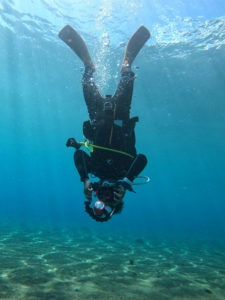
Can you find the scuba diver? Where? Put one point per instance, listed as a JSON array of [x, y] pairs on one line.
[[109, 134]]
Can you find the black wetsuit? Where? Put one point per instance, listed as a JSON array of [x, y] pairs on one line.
[[110, 126]]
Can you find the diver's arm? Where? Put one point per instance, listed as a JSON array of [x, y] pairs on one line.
[[82, 162], [88, 189], [135, 169]]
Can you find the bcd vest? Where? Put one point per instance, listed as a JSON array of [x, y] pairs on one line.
[[110, 133]]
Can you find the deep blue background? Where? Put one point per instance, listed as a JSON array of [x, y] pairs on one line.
[[179, 97]]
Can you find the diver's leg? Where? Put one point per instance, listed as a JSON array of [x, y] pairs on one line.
[[134, 45], [72, 38], [91, 94], [93, 98], [123, 95]]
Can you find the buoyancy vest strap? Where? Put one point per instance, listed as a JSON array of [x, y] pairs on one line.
[[90, 148], [111, 133]]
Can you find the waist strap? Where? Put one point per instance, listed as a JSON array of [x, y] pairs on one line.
[[90, 148]]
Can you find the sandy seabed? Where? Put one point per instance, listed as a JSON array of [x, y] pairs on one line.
[[55, 263]]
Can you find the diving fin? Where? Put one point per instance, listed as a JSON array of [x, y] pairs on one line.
[[135, 43], [72, 38]]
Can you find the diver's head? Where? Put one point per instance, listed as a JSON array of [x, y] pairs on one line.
[[109, 201], [105, 193], [99, 211]]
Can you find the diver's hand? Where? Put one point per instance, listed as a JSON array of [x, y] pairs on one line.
[[88, 190], [119, 193], [71, 143]]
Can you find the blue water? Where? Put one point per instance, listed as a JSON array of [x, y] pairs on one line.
[[179, 97]]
